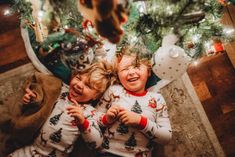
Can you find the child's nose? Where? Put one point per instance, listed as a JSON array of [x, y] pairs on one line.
[[131, 71], [80, 85]]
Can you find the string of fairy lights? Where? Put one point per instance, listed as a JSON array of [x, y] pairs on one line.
[[195, 23]]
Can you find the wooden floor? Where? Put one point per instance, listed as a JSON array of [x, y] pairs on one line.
[[12, 50], [213, 79]]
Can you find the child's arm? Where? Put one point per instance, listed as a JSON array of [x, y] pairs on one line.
[[88, 126], [160, 129], [106, 112]]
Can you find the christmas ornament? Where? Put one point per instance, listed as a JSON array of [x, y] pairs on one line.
[[227, 2], [78, 55], [170, 61], [218, 46]]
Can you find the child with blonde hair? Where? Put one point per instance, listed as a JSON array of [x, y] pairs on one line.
[[134, 118], [72, 114]]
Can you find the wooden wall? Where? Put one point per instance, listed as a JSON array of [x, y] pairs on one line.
[[229, 20], [214, 82], [12, 50]]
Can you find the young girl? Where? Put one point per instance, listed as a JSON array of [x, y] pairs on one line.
[[72, 115], [134, 118]]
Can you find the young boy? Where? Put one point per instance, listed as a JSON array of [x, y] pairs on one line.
[[71, 116], [134, 118]]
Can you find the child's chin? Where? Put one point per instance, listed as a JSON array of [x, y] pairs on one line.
[[72, 97]]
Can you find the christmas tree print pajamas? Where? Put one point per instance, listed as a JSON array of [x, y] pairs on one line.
[[60, 131], [128, 141]]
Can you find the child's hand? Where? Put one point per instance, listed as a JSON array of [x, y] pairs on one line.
[[112, 114], [29, 95], [129, 118], [76, 112]]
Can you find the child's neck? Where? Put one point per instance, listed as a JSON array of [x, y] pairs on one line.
[[81, 103], [141, 93]]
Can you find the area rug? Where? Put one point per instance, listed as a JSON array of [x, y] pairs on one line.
[[11, 92]]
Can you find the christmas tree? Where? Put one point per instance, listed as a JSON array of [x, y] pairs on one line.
[[57, 28], [56, 136], [54, 120], [196, 23], [105, 143], [136, 108], [131, 142], [122, 128]]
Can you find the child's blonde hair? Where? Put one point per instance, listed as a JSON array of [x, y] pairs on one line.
[[143, 56], [100, 76]]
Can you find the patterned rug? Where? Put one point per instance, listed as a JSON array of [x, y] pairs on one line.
[[11, 83], [11, 92]]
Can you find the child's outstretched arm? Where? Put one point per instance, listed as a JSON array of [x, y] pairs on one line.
[[28, 96], [87, 125]]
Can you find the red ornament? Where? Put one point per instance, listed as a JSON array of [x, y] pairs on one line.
[[218, 47], [223, 2]]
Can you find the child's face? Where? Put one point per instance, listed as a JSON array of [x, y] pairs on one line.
[[132, 77], [80, 90]]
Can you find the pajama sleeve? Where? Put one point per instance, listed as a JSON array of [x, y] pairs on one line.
[[90, 131], [103, 106], [159, 130]]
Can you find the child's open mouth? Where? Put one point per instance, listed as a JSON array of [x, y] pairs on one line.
[[133, 79], [76, 92]]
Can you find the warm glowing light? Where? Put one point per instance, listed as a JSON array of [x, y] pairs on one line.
[[228, 31], [40, 15], [195, 38], [195, 63], [169, 10], [133, 39], [7, 12], [141, 7], [207, 44]]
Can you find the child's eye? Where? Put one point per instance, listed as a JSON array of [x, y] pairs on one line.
[[78, 77], [88, 85], [124, 69], [137, 66]]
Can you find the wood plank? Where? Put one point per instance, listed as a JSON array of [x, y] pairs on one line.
[[12, 49], [229, 20]]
